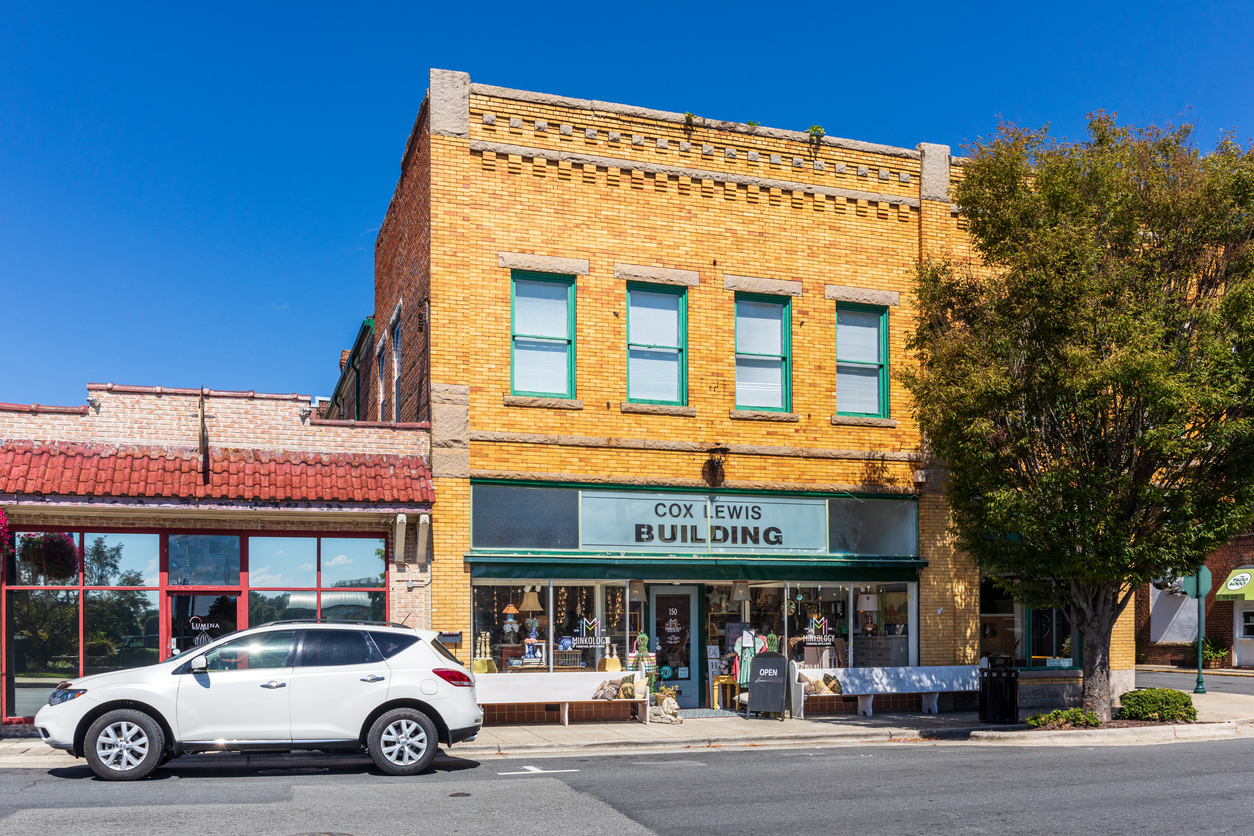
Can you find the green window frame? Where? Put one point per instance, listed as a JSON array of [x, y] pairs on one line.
[[680, 347], [860, 365], [785, 358], [537, 340]]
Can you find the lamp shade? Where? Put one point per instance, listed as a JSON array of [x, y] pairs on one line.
[[636, 592], [510, 609], [740, 591], [531, 602]]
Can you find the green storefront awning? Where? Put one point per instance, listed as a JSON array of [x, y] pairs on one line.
[[518, 565], [1238, 586]]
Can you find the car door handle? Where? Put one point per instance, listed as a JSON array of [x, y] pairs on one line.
[[374, 677], [274, 684]]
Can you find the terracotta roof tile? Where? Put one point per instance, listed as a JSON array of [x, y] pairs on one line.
[[80, 469]]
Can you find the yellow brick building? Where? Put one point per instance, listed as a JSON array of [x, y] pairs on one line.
[[609, 314]]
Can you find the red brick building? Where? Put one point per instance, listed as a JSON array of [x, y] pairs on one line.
[[151, 519]]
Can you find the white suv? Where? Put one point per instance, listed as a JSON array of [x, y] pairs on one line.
[[288, 685]]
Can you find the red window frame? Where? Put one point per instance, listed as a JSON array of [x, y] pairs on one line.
[[165, 590]]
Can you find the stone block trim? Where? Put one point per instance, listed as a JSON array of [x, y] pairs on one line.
[[754, 415], [450, 430], [658, 275], [754, 284], [862, 295], [935, 159], [449, 94], [542, 403], [543, 263], [658, 409], [859, 421]]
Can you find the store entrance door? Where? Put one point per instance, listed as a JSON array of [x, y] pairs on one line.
[[1243, 632], [674, 611], [200, 618]]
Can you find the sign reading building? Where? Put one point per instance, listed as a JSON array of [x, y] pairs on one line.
[[686, 523]]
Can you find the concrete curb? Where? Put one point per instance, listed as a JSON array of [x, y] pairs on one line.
[[1136, 734]]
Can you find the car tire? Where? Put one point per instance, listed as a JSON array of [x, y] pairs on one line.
[[124, 745], [403, 741]]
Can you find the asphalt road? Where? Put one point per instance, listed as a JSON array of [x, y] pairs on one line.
[[1185, 681], [901, 788]]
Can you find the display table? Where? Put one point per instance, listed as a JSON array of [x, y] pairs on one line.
[[717, 684]]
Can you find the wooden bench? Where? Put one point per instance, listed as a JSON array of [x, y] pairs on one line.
[[867, 683], [528, 688]]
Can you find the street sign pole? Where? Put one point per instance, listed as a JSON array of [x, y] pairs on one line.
[[1196, 586]]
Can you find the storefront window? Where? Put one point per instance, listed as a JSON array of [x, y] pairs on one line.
[[344, 605], [121, 629], [882, 615], [121, 559], [818, 624], [766, 613], [281, 562], [576, 628], [357, 562], [204, 560], [270, 605], [45, 559], [1043, 638], [513, 517], [41, 633], [873, 526]]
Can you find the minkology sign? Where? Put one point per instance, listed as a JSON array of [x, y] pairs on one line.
[[682, 523]]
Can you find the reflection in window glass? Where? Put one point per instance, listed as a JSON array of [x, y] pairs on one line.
[[121, 559], [264, 607], [121, 630], [873, 526], [262, 651], [42, 646], [327, 648], [1054, 643], [283, 561], [204, 560], [352, 562], [196, 620], [1001, 624], [45, 559], [343, 605]]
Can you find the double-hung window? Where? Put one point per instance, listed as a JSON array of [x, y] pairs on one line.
[[396, 372], [543, 335], [656, 335], [762, 353], [862, 361]]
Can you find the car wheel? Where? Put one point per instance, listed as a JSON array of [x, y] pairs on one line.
[[403, 742], [124, 745]]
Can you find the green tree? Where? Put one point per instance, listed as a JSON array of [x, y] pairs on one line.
[[1089, 385]]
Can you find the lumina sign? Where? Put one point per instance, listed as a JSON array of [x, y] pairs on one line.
[[683, 523]]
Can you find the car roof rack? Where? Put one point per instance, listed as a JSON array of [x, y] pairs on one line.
[[335, 621]]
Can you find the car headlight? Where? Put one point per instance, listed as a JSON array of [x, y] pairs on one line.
[[65, 695]]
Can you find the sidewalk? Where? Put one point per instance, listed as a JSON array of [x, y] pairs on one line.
[[1205, 671], [1220, 715]]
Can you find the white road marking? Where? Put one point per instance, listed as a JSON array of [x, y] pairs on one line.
[[535, 770]]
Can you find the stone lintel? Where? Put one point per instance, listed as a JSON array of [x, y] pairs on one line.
[[754, 284], [658, 275], [860, 421], [658, 409], [862, 295], [765, 415], [543, 263]]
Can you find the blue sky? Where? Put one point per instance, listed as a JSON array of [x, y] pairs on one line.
[[190, 193]]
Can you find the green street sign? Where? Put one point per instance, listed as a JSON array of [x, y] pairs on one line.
[[1198, 585]]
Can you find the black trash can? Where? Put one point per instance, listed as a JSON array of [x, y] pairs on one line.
[[999, 691]]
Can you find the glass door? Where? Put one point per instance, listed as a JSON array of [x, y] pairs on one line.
[[674, 638], [198, 618]]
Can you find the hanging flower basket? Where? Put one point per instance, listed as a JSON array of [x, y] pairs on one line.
[[54, 556]]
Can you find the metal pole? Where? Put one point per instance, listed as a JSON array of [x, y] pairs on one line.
[[1201, 614]]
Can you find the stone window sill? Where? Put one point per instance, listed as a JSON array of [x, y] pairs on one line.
[[754, 415], [658, 409], [542, 403], [858, 421]]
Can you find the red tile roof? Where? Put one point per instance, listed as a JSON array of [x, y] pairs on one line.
[[84, 469]]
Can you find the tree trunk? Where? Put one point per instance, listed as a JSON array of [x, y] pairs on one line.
[[1094, 612]]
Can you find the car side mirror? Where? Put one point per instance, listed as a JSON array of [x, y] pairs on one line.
[[198, 665]]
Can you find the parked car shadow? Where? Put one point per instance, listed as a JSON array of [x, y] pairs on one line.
[[262, 766]]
